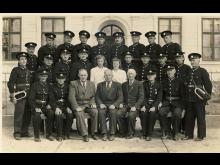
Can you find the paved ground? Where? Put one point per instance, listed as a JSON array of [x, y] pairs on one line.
[[211, 144]]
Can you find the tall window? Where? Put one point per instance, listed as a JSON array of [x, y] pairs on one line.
[[55, 25], [11, 39], [211, 39], [172, 24]]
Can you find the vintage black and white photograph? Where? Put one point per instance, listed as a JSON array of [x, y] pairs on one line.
[[110, 82]]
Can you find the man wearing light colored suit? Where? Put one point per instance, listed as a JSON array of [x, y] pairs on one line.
[[82, 100]]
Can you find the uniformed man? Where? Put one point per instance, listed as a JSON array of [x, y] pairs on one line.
[[32, 61], [47, 65], [68, 37], [100, 48], [145, 67], [170, 48], [118, 49], [83, 37], [20, 79], [152, 98], [199, 77], [49, 48], [64, 64], [83, 63], [61, 106], [40, 107], [161, 71], [128, 62], [133, 95], [137, 49], [172, 104], [153, 48]]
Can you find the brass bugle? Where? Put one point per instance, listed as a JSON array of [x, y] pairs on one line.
[[200, 93], [20, 95]]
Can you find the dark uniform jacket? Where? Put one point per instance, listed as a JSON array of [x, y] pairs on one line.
[[183, 71], [143, 69], [171, 49], [68, 46], [77, 66], [45, 50], [173, 92], [32, 65], [154, 50], [117, 51], [19, 80], [137, 50], [201, 79], [161, 72], [127, 66], [80, 96], [152, 94], [64, 67], [99, 50], [133, 95], [112, 96], [80, 46]]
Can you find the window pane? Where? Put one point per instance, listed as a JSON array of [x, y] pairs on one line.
[[5, 46], [217, 53], [176, 38], [59, 39], [15, 42], [207, 25], [43, 39], [217, 40], [163, 25], [115, 29], [46, 25], [175, 25], [217, 25], [5, 25], [107, 30], [15, 25], [207, 40], [207, 54], [58, 25]]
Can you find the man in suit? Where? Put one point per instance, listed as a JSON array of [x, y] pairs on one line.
[[82, 100], [108, 97], [133, 93]]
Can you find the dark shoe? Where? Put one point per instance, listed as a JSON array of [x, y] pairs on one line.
[[148, 138], [121, 135], [86, 138], [50, 138], [112, 137], [130, 136], [198, 139], [176, 137], [104, 137], [95, 137], [37, 140], [142, 137], [17, 136], [27, 135], [59, 139], [187, 138]]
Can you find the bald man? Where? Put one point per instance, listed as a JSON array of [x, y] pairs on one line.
[[133, 93], [108, 97]]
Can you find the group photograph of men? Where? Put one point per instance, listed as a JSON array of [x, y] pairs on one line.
[[106, 88]]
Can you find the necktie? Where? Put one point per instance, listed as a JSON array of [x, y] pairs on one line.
[[108, 85], [84, 85]]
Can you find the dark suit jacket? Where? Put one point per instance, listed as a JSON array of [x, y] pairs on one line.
[[134, 94], [108, 97], [78, 96]]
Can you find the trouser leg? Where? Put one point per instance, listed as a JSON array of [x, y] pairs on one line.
[[81, 124], [49, 121], [143, 118], [201, 122], [94, 120], [102, 120], [67, 124], [112, 121], [163, 118], [36, 124], [131, 120], [120, 114], [176, 118], [18, 116], [26, 118], [190, 120], [59, 125], [151, 119]]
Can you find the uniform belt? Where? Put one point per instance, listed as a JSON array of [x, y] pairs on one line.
[[32, 71], [21, 85], [173, 98], [41, 102], [61, 100], [191, 86], [150, 101]]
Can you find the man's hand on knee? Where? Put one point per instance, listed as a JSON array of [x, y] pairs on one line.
[[102, 106], [58, 111], [112, 107], [133, 109]]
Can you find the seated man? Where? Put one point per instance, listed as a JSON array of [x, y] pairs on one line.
[[133, 93], [108, 97], [81, 98]]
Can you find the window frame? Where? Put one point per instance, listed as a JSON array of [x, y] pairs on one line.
[[9, 33]]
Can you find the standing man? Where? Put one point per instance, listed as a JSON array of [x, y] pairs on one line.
[[83, 37], [137, 49], [161, 67], [49, 48], [170, 48], [196, 106], [68, 37], [153, 49], [20, 79], [108, 97], [128, 62], [133, 98], [152, 98], [118, 49], [82, 100], [100, 48]]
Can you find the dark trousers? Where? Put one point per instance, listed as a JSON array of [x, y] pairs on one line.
[[37, 122], [175, 119], [63, 124], [126, 121], [81, 124], [148, 120], [22, 117], [102, 114], [195, 110]]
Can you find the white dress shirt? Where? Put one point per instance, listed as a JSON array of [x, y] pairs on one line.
[[119, 76], [97, 75]]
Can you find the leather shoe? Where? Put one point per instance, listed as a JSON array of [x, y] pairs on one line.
[[148, 138], [198, 139], [85, 138], [186, 138], [130, 136], [59, 139], [50, 138], [37, 140], [95, 137], [104, 137], [17, 137], [27, 135], [112, 137]]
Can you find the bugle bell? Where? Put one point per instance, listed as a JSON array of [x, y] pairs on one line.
[[202, 94], [19, 95]]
